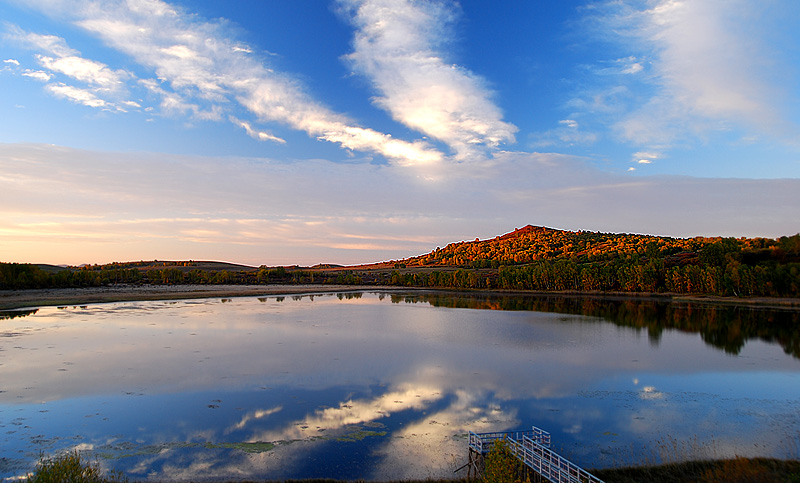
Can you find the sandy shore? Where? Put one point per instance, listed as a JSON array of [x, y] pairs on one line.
[[15, 299]]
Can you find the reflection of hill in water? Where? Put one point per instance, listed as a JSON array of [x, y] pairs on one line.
[[726, 327], [11, 314]]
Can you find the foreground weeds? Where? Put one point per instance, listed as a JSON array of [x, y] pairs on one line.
[[71, 468], [737, 470]]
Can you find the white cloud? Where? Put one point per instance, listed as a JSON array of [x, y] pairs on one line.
[[625, 65], [11, 61], [396, 47], [38, 75], [106, 87], [710, 68], [259, 135], [203, 65], [634, 68], [85, 70], [51, 44], [567, 134], [569, 123], [74, 94], [202, 71], [645, 157]]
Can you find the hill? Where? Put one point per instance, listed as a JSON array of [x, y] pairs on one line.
[[529, 258], [532, 244], [183, 266], [544, 259]]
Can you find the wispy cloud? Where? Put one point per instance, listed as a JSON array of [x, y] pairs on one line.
[[75, 94], [85, 70], [568, 133], [52, 44], [259, 135], [105, 88], [397, 47], [38, 75], [708, 68], [205, 72]]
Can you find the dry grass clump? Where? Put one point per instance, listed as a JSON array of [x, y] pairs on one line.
[[70, 468], [736, 470]]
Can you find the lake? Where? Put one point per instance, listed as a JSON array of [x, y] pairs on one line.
[[387, 385]]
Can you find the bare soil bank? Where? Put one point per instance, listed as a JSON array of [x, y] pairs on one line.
[[16, 299]]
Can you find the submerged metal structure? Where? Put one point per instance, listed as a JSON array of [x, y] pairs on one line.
[[532, 447]]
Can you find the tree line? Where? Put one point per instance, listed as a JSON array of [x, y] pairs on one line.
[[532, 258], [20, 276]]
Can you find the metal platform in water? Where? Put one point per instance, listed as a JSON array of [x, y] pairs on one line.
[[532, 447]]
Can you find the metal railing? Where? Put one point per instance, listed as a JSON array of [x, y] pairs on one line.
[[483, 442], [552, 465], [533, 449]]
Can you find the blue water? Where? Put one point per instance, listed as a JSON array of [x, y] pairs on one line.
[[375, 386]]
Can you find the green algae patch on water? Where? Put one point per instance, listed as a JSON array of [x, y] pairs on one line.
[[127, 449], [359, 435], [256, 447]]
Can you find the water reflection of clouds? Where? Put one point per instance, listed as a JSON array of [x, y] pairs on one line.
[[253, 416], [443, 372], [433, 446], [352, 412]]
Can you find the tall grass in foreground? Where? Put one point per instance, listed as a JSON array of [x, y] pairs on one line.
[[502, 468], [70, 468], [737, 470]]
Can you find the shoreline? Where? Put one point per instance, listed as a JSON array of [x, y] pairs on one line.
[[32, 298]]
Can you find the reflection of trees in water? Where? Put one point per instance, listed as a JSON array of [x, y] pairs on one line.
[[11, 314], [726, 327]]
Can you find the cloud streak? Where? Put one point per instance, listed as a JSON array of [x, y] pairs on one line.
[[396, 47]]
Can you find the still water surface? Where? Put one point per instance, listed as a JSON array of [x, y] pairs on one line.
[[386, 386]]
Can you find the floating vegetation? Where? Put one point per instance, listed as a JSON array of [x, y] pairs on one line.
[[127, 449], [257, 447], [359, 435], [373, 424]]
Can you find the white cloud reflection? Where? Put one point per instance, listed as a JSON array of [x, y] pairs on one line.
[[424, 376]]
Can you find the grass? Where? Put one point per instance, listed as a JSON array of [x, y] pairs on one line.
[[72, 468], [736, 470]]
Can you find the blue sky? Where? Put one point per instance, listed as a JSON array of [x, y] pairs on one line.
[[276, 132]]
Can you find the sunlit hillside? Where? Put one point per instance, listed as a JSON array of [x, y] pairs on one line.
[[529, 258], [534, 243]]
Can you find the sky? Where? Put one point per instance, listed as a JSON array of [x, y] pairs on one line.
[[352, 131]]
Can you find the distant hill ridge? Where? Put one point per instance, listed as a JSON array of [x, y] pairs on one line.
[[528, 258], [531, 244], [525, 230]]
